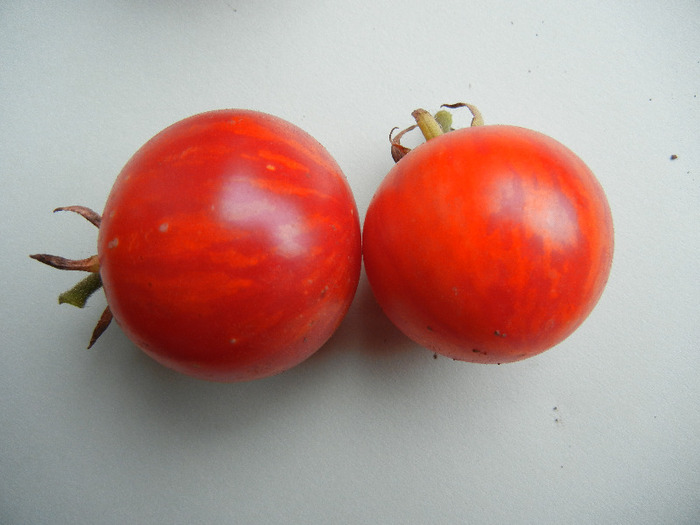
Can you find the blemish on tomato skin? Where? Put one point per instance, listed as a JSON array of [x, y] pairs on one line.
[[163, 227], [113, 243]]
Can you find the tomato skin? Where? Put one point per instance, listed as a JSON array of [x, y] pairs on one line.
[[229, 246], [489, 244]]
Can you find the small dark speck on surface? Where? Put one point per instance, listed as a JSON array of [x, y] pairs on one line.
[[674, 157], [434, 356]]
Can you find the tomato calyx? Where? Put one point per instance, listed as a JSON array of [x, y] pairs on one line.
[[79, 294], [431, 126]]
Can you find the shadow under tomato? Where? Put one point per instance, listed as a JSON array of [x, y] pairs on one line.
[[132, 390], [367, 349], [366, 330]]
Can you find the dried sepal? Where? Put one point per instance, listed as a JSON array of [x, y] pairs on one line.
[[101, 326], [92, 216], [397, 150]]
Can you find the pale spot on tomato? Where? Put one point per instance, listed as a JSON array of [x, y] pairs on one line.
[[233, 340], [555, 216], [540, 208], [164, 227], [288, 239], [270, 167], [113, 243], [245, 204]]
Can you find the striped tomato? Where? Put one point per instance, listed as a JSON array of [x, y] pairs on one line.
[[229, 247], [488, 244]]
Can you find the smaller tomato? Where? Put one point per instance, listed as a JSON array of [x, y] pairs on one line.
[[489, 244]]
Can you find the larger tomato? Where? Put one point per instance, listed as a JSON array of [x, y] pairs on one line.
[[229, 248], [488, 244]]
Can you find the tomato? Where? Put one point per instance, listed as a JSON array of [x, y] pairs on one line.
[[488, 244], [229, 248]]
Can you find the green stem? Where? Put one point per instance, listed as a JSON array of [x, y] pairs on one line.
[[427, 124], [444, 118], [78, 295], [431, 126]]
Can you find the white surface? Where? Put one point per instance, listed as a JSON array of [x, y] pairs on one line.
[[603, 429]]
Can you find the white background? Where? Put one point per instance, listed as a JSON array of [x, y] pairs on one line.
[[605, 428]]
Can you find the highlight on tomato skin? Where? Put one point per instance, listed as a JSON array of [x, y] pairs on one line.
[[489, 244], [229, 247]]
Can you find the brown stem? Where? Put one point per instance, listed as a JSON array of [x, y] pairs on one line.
[[397, 150], [91, 264], [78, 295], [101, 326], [84, 212], [477, 118]]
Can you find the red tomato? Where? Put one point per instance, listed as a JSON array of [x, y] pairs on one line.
[[489, 244], [229, 248]]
